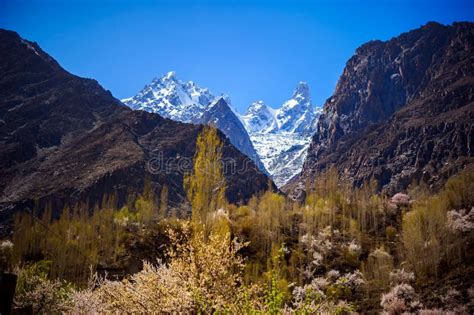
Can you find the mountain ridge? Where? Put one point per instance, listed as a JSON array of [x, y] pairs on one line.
[[281, 136], [402, 111], [187, 102], [65, 140]]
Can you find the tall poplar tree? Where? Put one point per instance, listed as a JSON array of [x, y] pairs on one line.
[[205, 186]]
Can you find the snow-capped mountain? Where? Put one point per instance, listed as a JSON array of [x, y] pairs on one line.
[[259, 118], [281, 136], [187, 102], [172, 98], [275, 139]]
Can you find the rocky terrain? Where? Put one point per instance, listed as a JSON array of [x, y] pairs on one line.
[[64, 139], [402, 112], [187, 102], [220, 115], [275, 139]]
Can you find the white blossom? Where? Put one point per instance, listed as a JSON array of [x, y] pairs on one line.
[[400, 199], [399, 276], [6, 245], [460, 220]]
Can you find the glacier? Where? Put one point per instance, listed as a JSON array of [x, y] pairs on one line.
[[281, 136]]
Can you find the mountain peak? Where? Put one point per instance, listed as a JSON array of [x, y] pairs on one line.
[[172, 98], [281, 136], [301, 91], [219, 101], [256, 107], [171, 75], [299, 103], [187, 102]]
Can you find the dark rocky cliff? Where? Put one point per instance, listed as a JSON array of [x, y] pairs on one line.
[[220, 115], [402, 112], [64, 139]]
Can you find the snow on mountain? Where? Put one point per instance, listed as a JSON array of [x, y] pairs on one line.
[[275, 139], [172, 98], [296, 113], [259, 118], [220, 114], [282, 153], [281, 136], [187, 102]]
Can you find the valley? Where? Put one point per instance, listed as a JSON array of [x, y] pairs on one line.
[[171, 201]]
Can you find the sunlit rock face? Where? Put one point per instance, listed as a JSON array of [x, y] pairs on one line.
[[401, 112]]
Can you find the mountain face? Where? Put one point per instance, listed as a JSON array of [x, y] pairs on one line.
[[220, 115], [275, 139], [296, 114], [172, 98], [64, 139], [187, 102], [402, 111], [281, 136]]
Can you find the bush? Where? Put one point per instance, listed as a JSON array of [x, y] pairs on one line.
[[378, 267], [201, 276], [35, 290], [6, 255]]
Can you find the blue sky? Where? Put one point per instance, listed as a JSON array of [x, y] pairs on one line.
[[251, 50]]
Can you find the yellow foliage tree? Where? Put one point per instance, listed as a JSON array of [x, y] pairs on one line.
[[146, 205], [424, 231], [205, 186]]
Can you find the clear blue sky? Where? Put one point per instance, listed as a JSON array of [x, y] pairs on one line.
[[250, 50]]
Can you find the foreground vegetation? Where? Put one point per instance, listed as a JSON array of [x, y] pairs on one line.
[[342, 250]]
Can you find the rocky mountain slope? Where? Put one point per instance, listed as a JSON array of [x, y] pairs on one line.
[[281, 136], [219, 114], [402, 111], [187, 102], [64, 139]]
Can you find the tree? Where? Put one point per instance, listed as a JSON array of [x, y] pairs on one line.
[[164, 201], [205, 186], [145, 205]]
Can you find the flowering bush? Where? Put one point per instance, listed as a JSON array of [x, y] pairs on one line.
[[402, 297], [460, 220], [35, 290], [6, 252], [327, 293], [201, 276], [326, 247], [401, 199], [399, 276]]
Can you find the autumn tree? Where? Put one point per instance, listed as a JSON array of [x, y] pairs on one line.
[[205, 186], [145, 204]]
